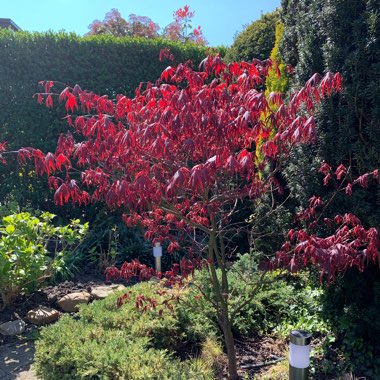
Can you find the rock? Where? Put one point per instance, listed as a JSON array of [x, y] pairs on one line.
[[118, 287], [42, 315], [12, 327], [70, 302], [101, 292]]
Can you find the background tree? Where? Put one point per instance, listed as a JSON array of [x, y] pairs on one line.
[[342, 35], [115, 25], [256, 40], [142, 26], [181, 29]]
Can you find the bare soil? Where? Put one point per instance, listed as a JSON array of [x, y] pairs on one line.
[[255, 354]]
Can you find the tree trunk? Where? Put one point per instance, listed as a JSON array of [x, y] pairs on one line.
[[221, 297], [225, 325]]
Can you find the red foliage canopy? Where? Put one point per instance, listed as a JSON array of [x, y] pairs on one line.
[[349, 243], [178, 153], [182, 152]]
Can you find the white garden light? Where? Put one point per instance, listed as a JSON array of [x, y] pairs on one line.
[[299, 355], [157, 254]]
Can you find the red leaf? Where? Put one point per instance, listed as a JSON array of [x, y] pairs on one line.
[[232, 165], [71, 103], [40, 99], [340, 172], [49, 101], [349, 190], [168, 73], [49, 163]]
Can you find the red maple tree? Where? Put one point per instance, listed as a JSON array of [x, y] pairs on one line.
[[181, 157], [181, 29]]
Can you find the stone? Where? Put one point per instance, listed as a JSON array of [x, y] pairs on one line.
[[118, 287], [70, 302], [101, 292], [13, 327], [42, 315]]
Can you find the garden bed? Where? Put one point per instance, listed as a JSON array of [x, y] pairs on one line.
[[47, 296]]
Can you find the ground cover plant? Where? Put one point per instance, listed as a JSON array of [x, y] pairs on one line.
[[111, 340], [179, 325]]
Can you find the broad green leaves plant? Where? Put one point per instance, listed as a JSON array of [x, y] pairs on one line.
[[31, 250]]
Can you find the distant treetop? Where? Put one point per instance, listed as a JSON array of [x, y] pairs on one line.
[[142, 26], [116, 25], [256, 40]]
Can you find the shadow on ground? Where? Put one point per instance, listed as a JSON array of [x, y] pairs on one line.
[[16, 360]]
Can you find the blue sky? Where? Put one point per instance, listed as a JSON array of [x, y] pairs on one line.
[[220, 20]]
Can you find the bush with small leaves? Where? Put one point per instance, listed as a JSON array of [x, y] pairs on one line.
[[113, 340]]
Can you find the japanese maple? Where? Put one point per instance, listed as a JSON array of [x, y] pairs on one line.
[[180, 155], [347, 242]]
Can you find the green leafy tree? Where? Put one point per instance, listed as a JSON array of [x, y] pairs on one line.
[[256, 40], [344, 36]]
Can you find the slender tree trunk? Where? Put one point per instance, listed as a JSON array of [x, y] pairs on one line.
[[225, 325], [221, 298]]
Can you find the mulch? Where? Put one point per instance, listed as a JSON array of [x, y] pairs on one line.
[[255, 354]]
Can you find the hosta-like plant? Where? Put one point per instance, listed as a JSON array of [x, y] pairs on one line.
[[31, 250]]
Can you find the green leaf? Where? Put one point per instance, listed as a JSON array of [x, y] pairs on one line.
[[10, 229]]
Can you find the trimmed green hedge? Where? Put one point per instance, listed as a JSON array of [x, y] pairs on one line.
[[103, 64]]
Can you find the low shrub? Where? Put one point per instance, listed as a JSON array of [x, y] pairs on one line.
[[32, 249], [109, 241], [107, 341], [283, 302], [353, 313]]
